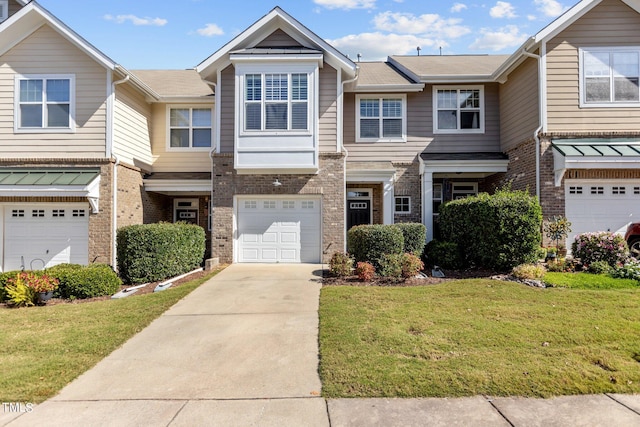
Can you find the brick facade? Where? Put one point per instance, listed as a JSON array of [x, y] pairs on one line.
[[408, 184], [328, 183]]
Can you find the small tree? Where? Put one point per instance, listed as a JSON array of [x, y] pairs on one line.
[[557, 228]]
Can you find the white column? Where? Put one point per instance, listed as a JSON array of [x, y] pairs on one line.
[[388, 202], [427, 203]]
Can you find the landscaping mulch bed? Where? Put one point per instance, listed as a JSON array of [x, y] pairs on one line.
[[474, 273]]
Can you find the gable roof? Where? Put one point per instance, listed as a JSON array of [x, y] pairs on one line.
[[272, 21]]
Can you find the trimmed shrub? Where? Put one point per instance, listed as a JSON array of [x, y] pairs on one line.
[[79, 281], [528, 271], [443, 254], [411, 265], [391, 266], [3, 282], [152, 252], [497, 231], [600, 246], [599, 267], [415, 236], [371, 242], [629, 270], [341, 264], [365, 271]]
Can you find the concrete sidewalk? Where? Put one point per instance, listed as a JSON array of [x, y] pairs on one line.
[[242, 350]]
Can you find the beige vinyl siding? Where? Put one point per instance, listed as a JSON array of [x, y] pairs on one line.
[[420, 135], [46, 52], [519, 105], [327, 126], [227, 88], [132, 122], [174, 161], [278, 39], [611, 23]]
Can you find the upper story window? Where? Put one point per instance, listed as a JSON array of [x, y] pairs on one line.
[[609, 76], [44, 103], [276, 102], [190, 127], [380, 118], [4, 10], [458, 109]]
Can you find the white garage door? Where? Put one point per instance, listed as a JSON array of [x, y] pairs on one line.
[[601, 205], [278, 230], [39, 235]]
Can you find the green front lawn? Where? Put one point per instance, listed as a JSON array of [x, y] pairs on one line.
[[584, 280], [44, 348], [479, 336]]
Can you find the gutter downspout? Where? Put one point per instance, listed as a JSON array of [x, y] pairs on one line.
[[346, 154], [214, 146], [114, 180], [536, 133]]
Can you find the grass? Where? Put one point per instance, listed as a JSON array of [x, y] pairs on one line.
[[478, 337], [43, 349], [588, 281]]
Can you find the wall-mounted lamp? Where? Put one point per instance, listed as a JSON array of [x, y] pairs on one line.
[[277, 183]]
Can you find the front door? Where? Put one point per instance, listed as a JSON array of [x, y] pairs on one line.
[[358, 212]]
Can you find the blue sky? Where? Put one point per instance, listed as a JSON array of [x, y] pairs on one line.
[[180, 34]]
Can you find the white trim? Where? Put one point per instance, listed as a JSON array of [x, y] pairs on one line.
[[479, 130], [355, 198], [190, 107], [561, 163], [44, 129], [455, 166], [474, 191], [4, 11], [177, 185], [397, 212], [581, 83], [387, 178], [380, 98], [194, 204]]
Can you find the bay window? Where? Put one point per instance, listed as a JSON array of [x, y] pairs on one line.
[[609, 76], [380, 118], [458, 109]]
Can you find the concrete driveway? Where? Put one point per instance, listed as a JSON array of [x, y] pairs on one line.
[[242, 349]]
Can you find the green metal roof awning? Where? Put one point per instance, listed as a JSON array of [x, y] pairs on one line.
[[594, 153], [48, 176], [51, 182]]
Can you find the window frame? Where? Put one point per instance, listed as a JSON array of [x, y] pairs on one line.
[[582, 78], [458, 130], [380, 98], [4, 10], [407, 204], [290, 72], [71, 128], [190, 107]]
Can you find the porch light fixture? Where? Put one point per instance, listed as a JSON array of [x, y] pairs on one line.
[[277, 183]]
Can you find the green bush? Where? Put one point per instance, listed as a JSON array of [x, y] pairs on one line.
[[528, 271], [370, 242], [391, 266], [152, 252], [411, 265], [443, 254], [3, 282], [497, 231], [600, 246], [415, 236], [599, 267], [79, 281], [629, 270], [341, 264]]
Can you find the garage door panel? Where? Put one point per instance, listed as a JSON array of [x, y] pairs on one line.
[[281, 230]]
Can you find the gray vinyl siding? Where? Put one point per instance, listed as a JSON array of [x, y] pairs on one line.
[[278, 39], [46, 52], [327, 126], [13, 7], [611, 23], [227, 109], [519, 105], [132, 127], [420, 137]]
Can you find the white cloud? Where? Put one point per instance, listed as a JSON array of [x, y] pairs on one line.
[[377, 46], [430, 25], [503, 9], [120, 19], [531, 17], [550, 8], [458, 7], [507, 37], [346, 4], [210, 30]]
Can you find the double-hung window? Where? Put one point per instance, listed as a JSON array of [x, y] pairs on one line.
[[190, 127], [380, 118], [458, 109], [609, 76], [44, 103], [276, 102]]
